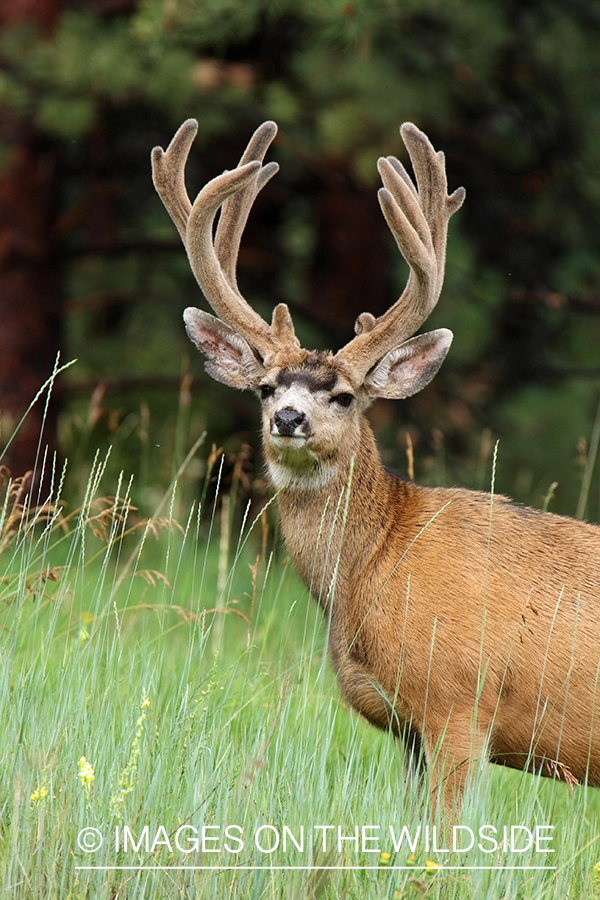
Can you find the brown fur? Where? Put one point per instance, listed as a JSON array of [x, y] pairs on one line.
[[444, 594]]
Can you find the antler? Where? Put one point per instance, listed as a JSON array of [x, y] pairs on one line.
[[418, 219], [214, 265]]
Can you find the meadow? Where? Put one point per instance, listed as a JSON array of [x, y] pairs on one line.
[[171, 727]]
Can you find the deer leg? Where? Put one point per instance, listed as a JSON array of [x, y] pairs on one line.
[[452, 753], [410, 741]]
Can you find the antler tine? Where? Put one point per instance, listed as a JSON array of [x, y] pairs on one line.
[[168, 168], [195, 225], [437, 206], [227, 303], [418, 219], [236, 209], [232, 221]]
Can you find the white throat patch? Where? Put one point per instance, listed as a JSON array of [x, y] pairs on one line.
[[310, 475]]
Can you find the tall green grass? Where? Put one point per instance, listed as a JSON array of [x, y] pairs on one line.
[[169, 673]]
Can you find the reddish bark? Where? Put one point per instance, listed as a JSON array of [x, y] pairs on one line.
[[29, 297], [350, 274], [29, 282], [43, 12]]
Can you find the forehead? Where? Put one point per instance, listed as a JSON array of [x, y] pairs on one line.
[[313, 381], [317, 373]]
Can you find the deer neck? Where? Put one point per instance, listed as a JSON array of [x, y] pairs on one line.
[[336, 525]]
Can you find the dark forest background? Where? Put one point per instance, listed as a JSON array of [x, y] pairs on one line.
[[91, 265]]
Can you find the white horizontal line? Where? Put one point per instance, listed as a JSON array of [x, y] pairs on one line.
[[308, 868]]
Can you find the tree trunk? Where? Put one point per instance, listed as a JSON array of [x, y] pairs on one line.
[[351, 270], [30, 292]]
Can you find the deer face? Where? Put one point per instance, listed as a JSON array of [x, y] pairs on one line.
[[310, 419], [311, 409]]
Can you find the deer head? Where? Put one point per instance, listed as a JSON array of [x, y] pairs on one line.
[[312, 401]]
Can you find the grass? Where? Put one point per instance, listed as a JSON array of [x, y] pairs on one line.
[[128, 705]]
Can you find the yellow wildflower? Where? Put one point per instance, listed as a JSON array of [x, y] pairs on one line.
[[38, 796], [386, 856], [431, 865], [86, 772]]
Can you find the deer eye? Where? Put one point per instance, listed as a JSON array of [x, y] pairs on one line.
[[266, 391], [343, 399]]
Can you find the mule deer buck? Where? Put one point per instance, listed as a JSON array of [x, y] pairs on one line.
[[456, 620]]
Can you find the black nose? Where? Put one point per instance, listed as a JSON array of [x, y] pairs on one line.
[[286, 420]]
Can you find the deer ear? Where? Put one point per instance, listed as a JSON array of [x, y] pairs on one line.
[[229, 358], [407, 369]]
